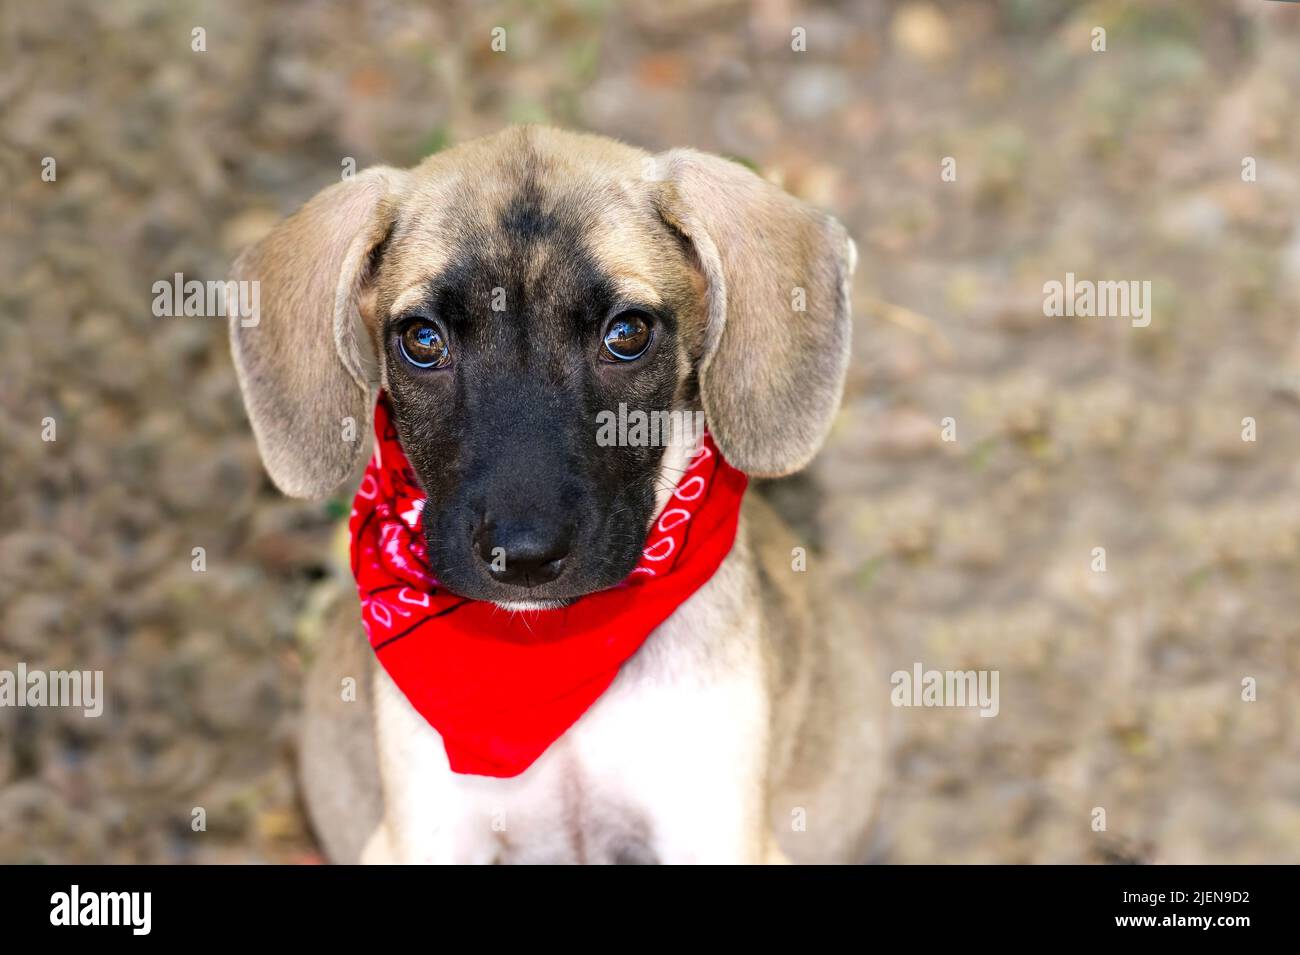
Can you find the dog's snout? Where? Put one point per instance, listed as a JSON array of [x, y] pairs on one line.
[[527, 553]]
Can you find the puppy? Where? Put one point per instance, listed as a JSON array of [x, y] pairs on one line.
[[747, 727]]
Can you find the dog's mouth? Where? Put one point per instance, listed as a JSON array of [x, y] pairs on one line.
[[525, 606], [519, 598], [464, 579], [520, 569]]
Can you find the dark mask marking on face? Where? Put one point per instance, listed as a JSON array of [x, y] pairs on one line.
[[504, 439]]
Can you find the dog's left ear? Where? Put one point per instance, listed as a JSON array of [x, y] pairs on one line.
[[777, 343]]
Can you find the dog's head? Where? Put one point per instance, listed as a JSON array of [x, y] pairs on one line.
[[507, 292]]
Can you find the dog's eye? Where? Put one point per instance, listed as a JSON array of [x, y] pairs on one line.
[[626, 337], [424, 345]]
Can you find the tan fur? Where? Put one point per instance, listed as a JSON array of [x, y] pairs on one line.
[[749, 727], [778, 338], [307, 365]]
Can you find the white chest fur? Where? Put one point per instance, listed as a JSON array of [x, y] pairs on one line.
[[668, 765]]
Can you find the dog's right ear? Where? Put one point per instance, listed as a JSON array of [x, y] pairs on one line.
[[306, 361]]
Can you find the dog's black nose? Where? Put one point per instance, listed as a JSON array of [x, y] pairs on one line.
[[526, 553]]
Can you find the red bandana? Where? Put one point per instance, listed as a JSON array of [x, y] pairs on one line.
[[501, 687]]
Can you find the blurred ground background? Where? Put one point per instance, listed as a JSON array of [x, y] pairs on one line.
[[1119, 690]]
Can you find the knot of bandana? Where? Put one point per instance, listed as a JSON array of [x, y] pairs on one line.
[[501, 687]]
